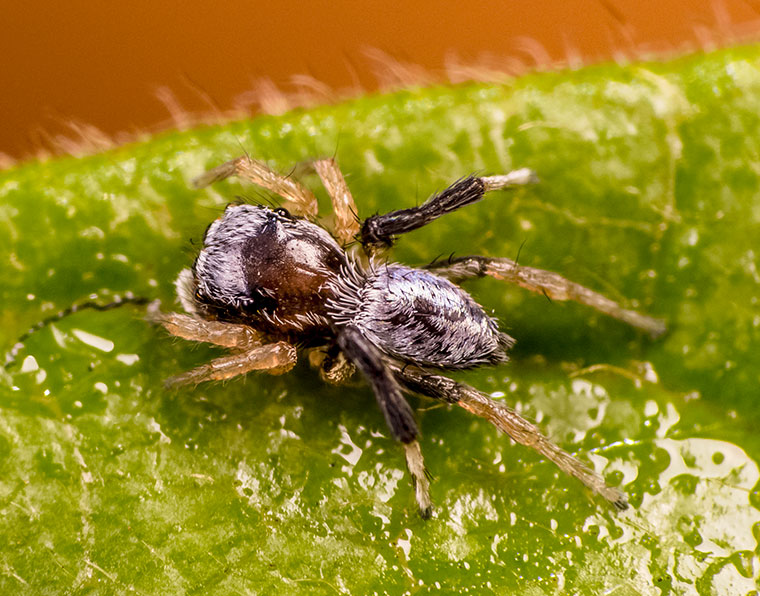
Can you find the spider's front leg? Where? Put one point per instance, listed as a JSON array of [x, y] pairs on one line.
[[252, 353], [551, 284], [344, 208], [193, 328], [301, 200], [274, 358], [397, 412], [509, 422]]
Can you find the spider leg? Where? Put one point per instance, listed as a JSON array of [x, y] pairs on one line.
[[302, 200], [551, 284], [333, 366], [416, 466], [344, 207], [228, 335], [508, 421], [276, 358], [397, 412], [378, 231]]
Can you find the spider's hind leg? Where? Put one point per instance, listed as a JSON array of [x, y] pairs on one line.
[[548, 283], [420, 479], [509, 422], [398, 415]]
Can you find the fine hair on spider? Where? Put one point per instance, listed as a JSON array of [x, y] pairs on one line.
[[269, 283]]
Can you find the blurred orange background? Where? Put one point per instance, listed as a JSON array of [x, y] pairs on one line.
[[103, 64]]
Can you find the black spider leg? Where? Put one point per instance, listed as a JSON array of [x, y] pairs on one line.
[[379, 230], [397, 412], [509, 422], [118, 301]]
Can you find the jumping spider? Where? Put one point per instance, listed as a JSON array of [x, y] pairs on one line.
[[269, 282]]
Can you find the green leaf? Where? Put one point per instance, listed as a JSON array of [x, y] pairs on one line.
[[649, 193]]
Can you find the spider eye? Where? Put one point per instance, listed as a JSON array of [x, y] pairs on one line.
[[282, 212]]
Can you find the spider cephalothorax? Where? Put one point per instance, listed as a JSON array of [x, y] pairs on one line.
[[266, 268], [267, 284]]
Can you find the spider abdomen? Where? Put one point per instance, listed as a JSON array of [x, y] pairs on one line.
[[418, 317]]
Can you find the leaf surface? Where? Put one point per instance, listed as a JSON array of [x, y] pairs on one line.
[[649, 194]]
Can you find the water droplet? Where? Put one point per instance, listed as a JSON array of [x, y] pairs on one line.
[[29, 364], [94, 341]]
